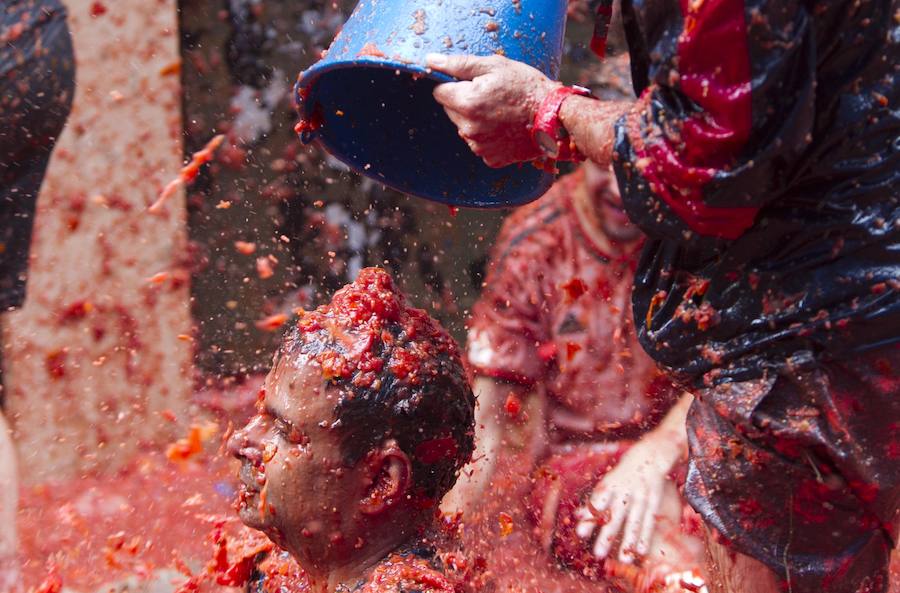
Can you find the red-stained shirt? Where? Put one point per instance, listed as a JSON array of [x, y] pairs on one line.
[[556, 314]]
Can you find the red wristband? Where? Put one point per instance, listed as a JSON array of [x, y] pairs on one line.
[[548, 132]]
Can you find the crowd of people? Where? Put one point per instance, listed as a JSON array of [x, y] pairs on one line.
[[684, 355]]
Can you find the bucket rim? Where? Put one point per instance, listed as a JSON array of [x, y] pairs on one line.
[[309, 76], [478, 203], [307, 79]]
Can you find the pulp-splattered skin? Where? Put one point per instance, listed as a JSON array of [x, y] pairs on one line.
[[363, 424], [378, 353]]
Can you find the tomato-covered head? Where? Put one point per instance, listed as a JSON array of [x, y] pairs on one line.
[[364, 423]]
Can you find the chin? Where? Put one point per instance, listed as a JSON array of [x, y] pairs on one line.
[[624, 233], [248, 509], [275, 535], [627, 237], [249, 516]]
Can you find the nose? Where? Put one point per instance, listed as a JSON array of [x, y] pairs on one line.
[[246, 442]]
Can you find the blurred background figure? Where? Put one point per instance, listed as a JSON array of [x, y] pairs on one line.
[[37, 81], [574, 418]]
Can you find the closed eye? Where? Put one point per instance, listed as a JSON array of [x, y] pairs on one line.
[[290, 432]]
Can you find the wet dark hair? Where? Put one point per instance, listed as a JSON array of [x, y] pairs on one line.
[[399, 374]]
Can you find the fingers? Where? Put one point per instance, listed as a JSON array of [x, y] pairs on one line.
[[601, 498], [585, 527], [492, 158], [481, 142], [640, 525], [618, 512], [467, 129], [632, 531], [492, 125], [463, 67], [454, 95], [652, 509], [599, 501]]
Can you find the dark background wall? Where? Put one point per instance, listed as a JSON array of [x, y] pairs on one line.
[[312, 221]]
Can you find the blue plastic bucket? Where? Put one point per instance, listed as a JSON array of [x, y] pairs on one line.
[[370, 100]]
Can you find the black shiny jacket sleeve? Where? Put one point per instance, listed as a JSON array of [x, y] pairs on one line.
[[762, 159], [726, 113]]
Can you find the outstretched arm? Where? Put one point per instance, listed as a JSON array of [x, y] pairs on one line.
[[628, 498], [501, 427], [494, 105]]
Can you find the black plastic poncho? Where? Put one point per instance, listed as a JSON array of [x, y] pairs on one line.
[[762, 160]]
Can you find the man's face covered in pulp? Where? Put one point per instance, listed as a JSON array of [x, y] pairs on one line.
[[294, 486]]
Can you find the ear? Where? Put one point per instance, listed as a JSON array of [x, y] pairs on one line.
[[390, 472]]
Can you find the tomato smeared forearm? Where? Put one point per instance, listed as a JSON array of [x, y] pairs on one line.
[[591, 124]]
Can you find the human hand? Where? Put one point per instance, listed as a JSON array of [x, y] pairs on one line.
[[629, 497], [493, 105]]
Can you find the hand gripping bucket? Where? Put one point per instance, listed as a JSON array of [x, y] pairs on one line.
[[369, 102]]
